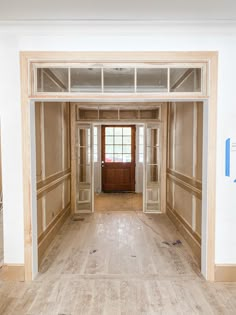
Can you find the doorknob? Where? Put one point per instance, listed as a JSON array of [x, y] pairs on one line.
[[103, 163]]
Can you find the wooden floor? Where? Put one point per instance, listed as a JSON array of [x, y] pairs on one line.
[[118, 263], [118, 201]]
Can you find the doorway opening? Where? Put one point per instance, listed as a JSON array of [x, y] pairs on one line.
[[119, 167], [119, 150], [69, 86]]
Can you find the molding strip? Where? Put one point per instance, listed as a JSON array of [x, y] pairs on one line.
[[189, 180], [195, 191], [10, 272], [225, 273], [45, 239], [193, 239], [44, 186]]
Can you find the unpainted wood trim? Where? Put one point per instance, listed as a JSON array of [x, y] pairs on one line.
[[225, 273], [73, 154], [163, 155], [209, 57], [50, 184], [45, 239], [186, 231], [189, 180], [196, 192], [11, 272]]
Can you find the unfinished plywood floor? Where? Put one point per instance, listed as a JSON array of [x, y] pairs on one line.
[[118, 202], [118, 263]]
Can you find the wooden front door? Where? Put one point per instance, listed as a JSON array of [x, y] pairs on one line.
[[118, 158]]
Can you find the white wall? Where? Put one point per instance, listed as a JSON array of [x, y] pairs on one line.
[[114, 37]]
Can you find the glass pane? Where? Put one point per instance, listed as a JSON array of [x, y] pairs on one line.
[[152, 137], [52, 80], [152, 80], [84, 155], [127, 149], [152, 155], [119, 80], [84, 137], [109, 131], [118, 149], [118, 140], [126, 140], [109, 140], [153, 197], [185, 79], [118, 131], [152, 174], [127, 131], [141, 149], [127, 158], [140, 158], [109, 158], [86, 80], [109, 148], [84, 175], [118, 158]]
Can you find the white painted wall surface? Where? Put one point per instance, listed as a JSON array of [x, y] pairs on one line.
[[115, 36]]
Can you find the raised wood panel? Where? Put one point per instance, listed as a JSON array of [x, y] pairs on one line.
[[54, 203], [40, 216], [199, 140], [53, 138], [198, 216], [184, 187], [169, 192], [171, 135], [67, 193], [66, 121], [38, 135], [184, 138], [183, 203]]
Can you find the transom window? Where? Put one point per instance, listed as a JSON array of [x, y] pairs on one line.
[[143, 78], [118, 144]]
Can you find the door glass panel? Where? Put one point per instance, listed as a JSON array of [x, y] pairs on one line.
[[152, 202], [185, 79], [118, 142], [152, 80], [83, 169], [118, 80], [86, 80], [52, 80]]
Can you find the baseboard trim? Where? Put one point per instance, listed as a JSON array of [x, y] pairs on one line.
[[12, 272], [225, 273], [48, 235], [190, 238]]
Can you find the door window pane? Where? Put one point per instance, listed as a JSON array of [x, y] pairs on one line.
[[52, 80], [118, 142]]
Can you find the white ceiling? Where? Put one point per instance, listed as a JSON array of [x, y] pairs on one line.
[[118, 10]]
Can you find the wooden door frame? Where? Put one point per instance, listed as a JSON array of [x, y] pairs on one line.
[[208, 57]]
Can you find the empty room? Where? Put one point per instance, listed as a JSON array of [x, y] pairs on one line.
[[117, 159]]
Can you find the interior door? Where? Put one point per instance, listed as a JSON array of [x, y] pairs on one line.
[[118, 158], [84, 169], [152, 172]]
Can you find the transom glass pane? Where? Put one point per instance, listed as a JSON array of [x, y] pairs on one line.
[[86, 80], [152, 80], [185, 79], [118, 80]]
